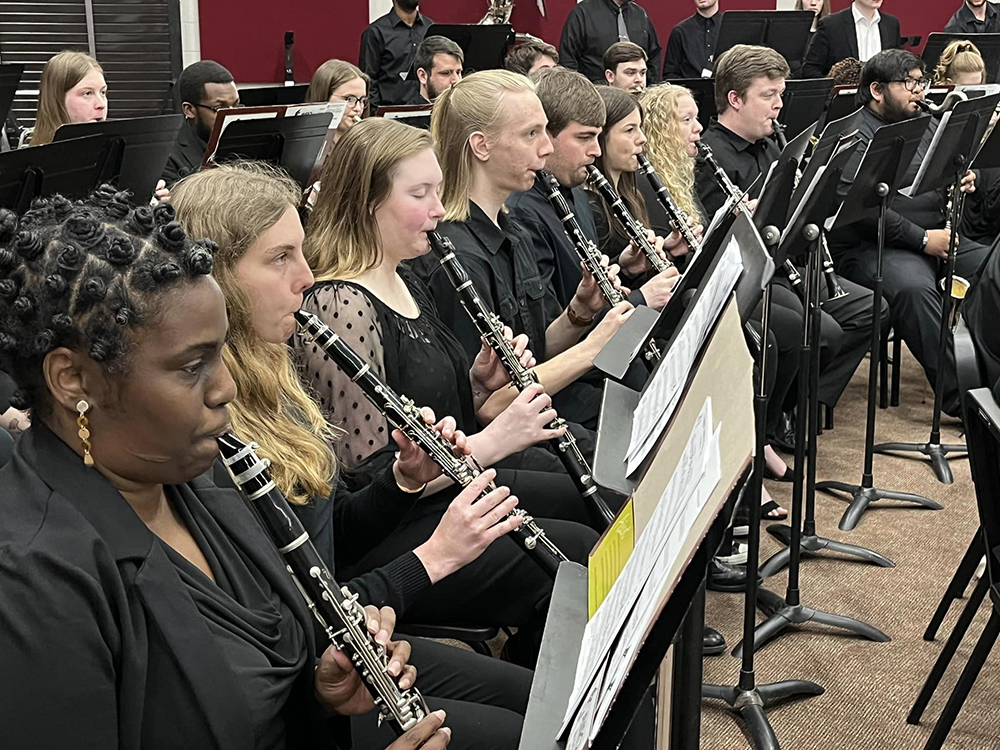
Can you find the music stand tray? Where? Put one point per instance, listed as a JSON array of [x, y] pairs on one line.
[[786, 31], [10, 79], [987, 44], [484, 46], [271, 96], [804, 103], [67, 167], [137, 149], [417, 115]]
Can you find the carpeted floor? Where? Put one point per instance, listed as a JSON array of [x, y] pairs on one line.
[[869, 686]]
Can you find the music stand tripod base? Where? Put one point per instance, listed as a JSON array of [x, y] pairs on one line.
[[862, 496], [936, 452], [811, 544], [751, 705]]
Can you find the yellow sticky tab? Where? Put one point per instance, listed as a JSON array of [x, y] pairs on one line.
[[609, 557]]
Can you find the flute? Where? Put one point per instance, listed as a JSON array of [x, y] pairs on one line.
[[490, 327], [404, 415], [335, 607], [674, 212], [635, 231]]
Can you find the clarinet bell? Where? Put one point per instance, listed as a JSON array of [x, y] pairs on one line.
[[959, 289]]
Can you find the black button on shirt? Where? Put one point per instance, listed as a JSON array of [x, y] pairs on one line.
[[691, 47], [743, 162], [387, 49], [592, 27]]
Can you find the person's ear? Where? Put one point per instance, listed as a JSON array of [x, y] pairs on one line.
[[190, 111], [609, 77], [70, 376], [422, 76], [735, 103], [480, 146], [877, 91]]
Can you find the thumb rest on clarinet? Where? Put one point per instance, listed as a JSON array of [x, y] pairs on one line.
[[336, 609], [405, 416], [490, 327]]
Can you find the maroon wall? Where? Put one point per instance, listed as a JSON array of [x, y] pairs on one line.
[[247, 37]]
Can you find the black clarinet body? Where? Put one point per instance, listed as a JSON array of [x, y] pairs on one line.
[[674, 212], [635, 231], [405, 416], [335, 607], [490, 327]]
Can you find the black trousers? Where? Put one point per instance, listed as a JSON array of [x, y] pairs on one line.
[[910, 284], [485, 699]]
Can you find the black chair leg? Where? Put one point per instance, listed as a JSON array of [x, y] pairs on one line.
[[883, 374], [480, 647], [959, 582], [965, 683], [828, 421], [897, 361]]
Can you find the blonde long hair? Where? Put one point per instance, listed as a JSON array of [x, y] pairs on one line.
[[234, 204], [665, 146], [61, 73], [342, 239], [958, 58], [474, 104]]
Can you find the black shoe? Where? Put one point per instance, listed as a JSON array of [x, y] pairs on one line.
[[712, 642], [726, 578], [784, 436]]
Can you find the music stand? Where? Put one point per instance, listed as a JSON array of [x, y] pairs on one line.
[[703, 92], [292, 143], [833, 131], [786, 31], [987, 44], [68, 168], [804, 103], [417, 115], [136, 152], [10, 79], [271, 96], [485, 47]]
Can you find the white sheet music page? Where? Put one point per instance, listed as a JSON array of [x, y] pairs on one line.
[[661, 397], [604, 627]]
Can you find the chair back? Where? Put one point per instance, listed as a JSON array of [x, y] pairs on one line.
[[982, 425], [967, 365]]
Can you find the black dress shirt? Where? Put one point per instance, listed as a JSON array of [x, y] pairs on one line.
[[186, 156], [965, 22], [981, 311], [387, 49], [743, 162], [592, 27], [691, 47]]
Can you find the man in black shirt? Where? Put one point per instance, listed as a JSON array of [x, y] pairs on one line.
[[975, 17], [749, 84], [625, 67], [205, 87], [594, 25], [387, 49], [915, 238], [691, 47], [438, 64]]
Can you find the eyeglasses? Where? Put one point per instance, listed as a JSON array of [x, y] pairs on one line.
[[354, 101], [910, 84], [218, 107]]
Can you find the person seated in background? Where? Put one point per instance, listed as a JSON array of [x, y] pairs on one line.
[[981, 311], [339, 81], [960, 64], [438, 63], [820, 7], [205, 87], [846, 72], [528, 57], [691, 47], [594, 25], [861, 31], [625, 67], [72, 90], [974, 17], [387, 49]]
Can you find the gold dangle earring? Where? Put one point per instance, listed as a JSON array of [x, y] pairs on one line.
[[82, 406]]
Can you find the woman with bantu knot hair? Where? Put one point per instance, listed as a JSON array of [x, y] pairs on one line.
[[121, 538]]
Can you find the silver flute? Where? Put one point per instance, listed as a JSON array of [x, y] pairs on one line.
[[405, 416], [336, 609]]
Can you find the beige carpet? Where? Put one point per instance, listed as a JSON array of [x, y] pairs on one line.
[[869, 686]]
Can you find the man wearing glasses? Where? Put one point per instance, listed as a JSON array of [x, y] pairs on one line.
[[205, 87], [892, 82]]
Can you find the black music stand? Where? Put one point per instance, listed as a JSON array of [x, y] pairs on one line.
[[485, 47], [273, 96], [136, 152], [955, 146], [833, 132], [417, 115], [68, 168], [10, 79], [292, 143], [882, 169], [987, 44], [786, 31], [703, 92], [805, 101]]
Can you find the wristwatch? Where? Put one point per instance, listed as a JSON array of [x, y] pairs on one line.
[[575, 319], [925, 240]]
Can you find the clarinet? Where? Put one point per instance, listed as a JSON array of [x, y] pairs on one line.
[[674, 212], [404, 415], [588, 253], [491, 329], [736, 194], [635, 231], [335, 607]]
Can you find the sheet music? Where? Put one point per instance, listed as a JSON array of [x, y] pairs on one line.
[[579, 738], [713, 225], [604, 627], [336, 109], [661, 397]]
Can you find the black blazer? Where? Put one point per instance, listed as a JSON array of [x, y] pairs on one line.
[[103, 646], [836, 39]]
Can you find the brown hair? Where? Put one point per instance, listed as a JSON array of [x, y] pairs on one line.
[[567, 97], [823, 12], [330, 76], [523, 56], [738, 67], [343, 238], [665, 147], [621, 52], [61, 73], [959, 57], [235, 204], [847, 72], [620, 104]]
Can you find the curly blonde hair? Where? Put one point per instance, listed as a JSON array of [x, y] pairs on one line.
[[958, 58], [234, 204], [665, 146]]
